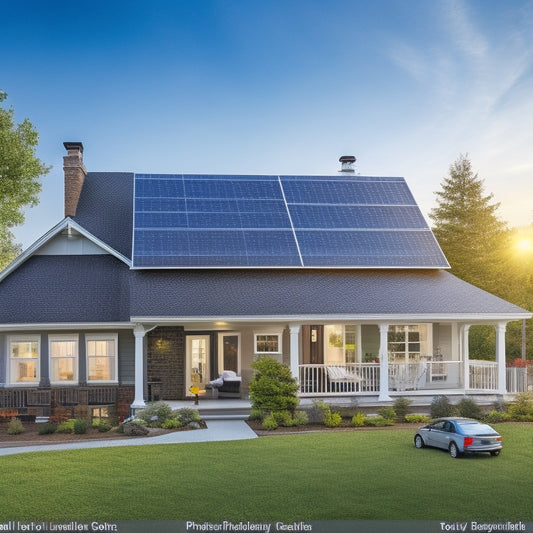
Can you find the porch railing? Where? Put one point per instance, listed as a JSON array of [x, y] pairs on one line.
[[483, 375], [339, 379]]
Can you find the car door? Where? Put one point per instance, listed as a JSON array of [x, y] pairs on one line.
[[437, 435]]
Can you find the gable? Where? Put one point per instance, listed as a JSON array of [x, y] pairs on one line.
[[209, 221]]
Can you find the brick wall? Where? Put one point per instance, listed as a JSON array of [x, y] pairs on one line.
[[166, 362]]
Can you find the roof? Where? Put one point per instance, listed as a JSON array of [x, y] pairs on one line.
[[352, 294], [229, 221], [105, 208]]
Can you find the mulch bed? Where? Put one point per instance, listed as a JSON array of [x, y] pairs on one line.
[[31, 436]]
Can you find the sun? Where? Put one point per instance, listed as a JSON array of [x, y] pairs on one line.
[[524, 245]]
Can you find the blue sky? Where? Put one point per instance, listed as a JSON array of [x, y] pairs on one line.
[[277, 86]]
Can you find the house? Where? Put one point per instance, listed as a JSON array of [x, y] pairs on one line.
[[154, 283]]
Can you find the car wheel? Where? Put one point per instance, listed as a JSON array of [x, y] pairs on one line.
[[419, 441], [495, 453], [454, 450]]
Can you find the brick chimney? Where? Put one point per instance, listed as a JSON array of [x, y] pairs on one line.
[[74, 176]]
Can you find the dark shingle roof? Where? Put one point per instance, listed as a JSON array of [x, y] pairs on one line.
[[320, 292], [77, 288], [105, 208]]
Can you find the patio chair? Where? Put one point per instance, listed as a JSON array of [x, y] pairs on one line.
[[227, 385]]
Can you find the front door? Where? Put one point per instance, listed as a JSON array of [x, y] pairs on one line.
[[197, 366]]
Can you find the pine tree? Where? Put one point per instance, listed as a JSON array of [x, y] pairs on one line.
[[468, 229]]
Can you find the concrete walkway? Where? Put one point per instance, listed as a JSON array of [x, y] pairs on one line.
[[217, 430]]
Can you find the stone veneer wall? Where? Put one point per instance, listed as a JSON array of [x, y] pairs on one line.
[[166, 362]]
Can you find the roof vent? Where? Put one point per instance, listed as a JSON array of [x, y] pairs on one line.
[[347, 163]]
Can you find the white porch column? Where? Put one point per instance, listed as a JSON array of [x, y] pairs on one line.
[[500, 357], [139, 332], [384, 363], [295, 351], [466, 357]]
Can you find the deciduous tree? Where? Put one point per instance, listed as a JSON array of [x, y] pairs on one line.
[[20, 172]]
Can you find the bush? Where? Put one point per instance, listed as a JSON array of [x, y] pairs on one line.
[[358, 420], [133, 429], [273, 388], [300, 418], [171, 423], [401, 407], [59, 415], [101, 425], [329, 419], [417, 419], [155, 414], [186, 415], [66, 427], [283, 418], [15, 427], [494, 417], [378, 421], [256, 414], [521, 409], [269, 423], [80, 426], [468, 408], [47, 428], [441, 406], [388, 413]]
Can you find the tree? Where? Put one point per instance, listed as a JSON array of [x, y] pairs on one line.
[[20, 171], [468, 229]]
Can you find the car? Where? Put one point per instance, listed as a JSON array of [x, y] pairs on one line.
[[459, 435]]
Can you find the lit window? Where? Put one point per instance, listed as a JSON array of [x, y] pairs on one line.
[[102, 357], [268, 343], [63, 358], [340, 344], [24, 360]]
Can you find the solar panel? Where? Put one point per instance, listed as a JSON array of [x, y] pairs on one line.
[[184, 221]]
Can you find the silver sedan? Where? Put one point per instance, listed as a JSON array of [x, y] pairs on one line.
[[459, 435]]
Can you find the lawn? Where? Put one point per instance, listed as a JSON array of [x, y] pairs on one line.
[[362, 475]]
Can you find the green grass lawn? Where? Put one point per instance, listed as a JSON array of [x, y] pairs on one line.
[[364, 475]]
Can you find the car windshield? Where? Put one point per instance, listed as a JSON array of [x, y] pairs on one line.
[[471, 427]]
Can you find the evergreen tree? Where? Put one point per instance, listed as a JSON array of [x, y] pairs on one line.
[[468, 229]]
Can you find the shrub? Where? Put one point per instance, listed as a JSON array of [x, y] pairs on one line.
[[269, 423], [495, 417], [66, 427], [441, 406], [155, 414], [417, 419], [59, 415], [15, 427], [329, 419], [102, 425], [47, 428], [378, 421], [133, 429], [522, 408], [283, 418], [468, 408], [358, 420], [273, 387], [300, 418], [401, 407], [388, 413], [256, 414], [80, 426], [186, 415], [171, 423]]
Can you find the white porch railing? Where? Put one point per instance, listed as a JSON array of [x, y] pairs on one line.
[[483, 375], [339, 379], [519, 379]]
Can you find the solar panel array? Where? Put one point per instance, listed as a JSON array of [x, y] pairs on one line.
[[187, 220]]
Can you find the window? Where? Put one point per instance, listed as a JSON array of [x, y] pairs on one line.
[[63, 358], [268, 343], [408, 343], [24, 360], [340, 343], [102, 360]]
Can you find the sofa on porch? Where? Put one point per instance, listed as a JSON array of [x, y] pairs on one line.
[[227, 385]]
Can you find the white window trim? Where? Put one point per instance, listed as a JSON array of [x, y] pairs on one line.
[[101, 337], [221, 335], [23, 338], [278, 333], [75, 338]]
